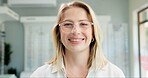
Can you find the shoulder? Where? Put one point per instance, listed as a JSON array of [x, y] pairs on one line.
[[41, 71], [110, 71], [114, 70]]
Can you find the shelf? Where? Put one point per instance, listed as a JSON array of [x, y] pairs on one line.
[[37, 19], [6, 14]]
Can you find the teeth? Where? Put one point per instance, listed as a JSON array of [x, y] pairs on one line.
[[76, 39]]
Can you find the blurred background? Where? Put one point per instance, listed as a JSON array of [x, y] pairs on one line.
[[26, 39]]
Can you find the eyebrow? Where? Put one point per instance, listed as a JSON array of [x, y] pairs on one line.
[[72, 21], [67, 21]]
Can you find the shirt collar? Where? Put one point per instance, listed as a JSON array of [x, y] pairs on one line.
[[54, 68]]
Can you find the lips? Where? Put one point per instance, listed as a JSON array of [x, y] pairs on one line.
[[76, 40]]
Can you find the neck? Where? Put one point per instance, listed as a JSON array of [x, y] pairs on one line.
[[76, 64], [78, 60]]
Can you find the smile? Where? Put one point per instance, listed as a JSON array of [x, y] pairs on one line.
[[76, 39]]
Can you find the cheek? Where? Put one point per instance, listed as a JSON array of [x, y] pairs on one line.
[[63, 35], [89, 33]]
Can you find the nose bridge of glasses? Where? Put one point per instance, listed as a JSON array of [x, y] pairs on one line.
[[76, 27]]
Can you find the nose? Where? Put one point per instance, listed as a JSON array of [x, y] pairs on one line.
[[75, 30]]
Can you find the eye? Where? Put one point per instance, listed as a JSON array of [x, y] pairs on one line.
[[67, 24], [84, 24]]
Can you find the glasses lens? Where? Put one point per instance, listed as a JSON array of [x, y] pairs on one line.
[[84, 24], [68, 26]]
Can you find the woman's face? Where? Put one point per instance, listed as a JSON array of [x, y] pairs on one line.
[[76, 30]]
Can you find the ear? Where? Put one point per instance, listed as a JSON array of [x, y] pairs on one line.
[[92, 40]]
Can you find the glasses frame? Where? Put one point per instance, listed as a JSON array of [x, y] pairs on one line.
[[74, 25]]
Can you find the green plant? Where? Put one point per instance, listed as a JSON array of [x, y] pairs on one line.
[[8, 52], [12, 70], [6, 56]]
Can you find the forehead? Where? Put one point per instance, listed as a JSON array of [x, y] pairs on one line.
[[75, 13]]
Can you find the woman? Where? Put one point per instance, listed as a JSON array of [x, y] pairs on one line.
[[77, 38]]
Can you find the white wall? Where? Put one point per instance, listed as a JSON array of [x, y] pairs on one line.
[[134, 6]]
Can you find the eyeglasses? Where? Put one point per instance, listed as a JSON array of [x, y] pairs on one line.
[[68, 26]]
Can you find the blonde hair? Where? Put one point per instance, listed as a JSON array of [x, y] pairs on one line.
[[96, 57]]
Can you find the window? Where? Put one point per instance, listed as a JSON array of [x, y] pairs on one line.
[[143, 41]]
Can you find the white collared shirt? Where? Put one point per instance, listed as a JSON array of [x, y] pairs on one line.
[[49, 71]]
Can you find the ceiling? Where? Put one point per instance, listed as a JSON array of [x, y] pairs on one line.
[[33, 7]]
